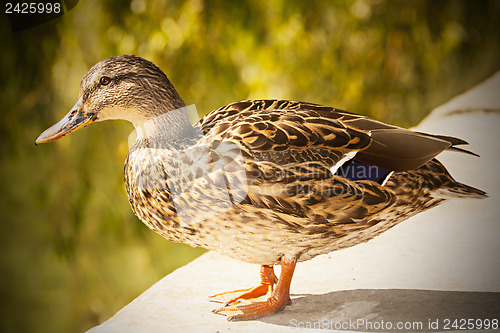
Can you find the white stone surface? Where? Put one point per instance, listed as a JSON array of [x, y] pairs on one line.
[[443, 263]]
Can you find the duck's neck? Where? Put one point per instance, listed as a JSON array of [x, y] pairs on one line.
[[166, 129]]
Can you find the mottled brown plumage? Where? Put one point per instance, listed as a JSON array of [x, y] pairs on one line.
[[264, 181]]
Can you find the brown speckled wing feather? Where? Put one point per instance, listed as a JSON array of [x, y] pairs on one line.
[[285, 131]]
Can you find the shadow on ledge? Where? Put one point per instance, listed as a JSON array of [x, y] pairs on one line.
[[378, 310]]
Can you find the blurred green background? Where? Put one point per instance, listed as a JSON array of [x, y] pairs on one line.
[[72, 252]]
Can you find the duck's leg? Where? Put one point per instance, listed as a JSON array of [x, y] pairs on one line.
[[279, 299], [266, 287]]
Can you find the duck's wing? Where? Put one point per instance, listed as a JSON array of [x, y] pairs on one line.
[[286, 132], [278, 130]]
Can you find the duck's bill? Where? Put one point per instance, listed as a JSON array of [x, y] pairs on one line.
[[77, 118]]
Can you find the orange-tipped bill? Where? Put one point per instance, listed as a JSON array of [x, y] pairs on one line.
[[77, 118]]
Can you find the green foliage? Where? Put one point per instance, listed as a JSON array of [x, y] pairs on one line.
[[72, 251]]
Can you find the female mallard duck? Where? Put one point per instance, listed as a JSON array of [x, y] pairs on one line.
[[264, 181]]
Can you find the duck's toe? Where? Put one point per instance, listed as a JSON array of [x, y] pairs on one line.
[[237, 296], [264, 290], [253, 310]]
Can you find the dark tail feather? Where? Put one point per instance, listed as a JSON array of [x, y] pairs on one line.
[[454, 142], [461, 150], [451, 139]]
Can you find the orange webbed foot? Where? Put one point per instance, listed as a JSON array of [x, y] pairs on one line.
[[267, 281], [277, 298]]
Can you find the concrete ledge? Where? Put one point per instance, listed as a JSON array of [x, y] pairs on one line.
[[442, 264]]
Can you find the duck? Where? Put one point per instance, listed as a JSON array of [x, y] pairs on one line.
[[268, 182]]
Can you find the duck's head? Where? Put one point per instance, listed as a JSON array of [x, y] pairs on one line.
[[122, 87]]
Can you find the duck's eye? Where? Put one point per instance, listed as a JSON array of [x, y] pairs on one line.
[[104, 80]]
